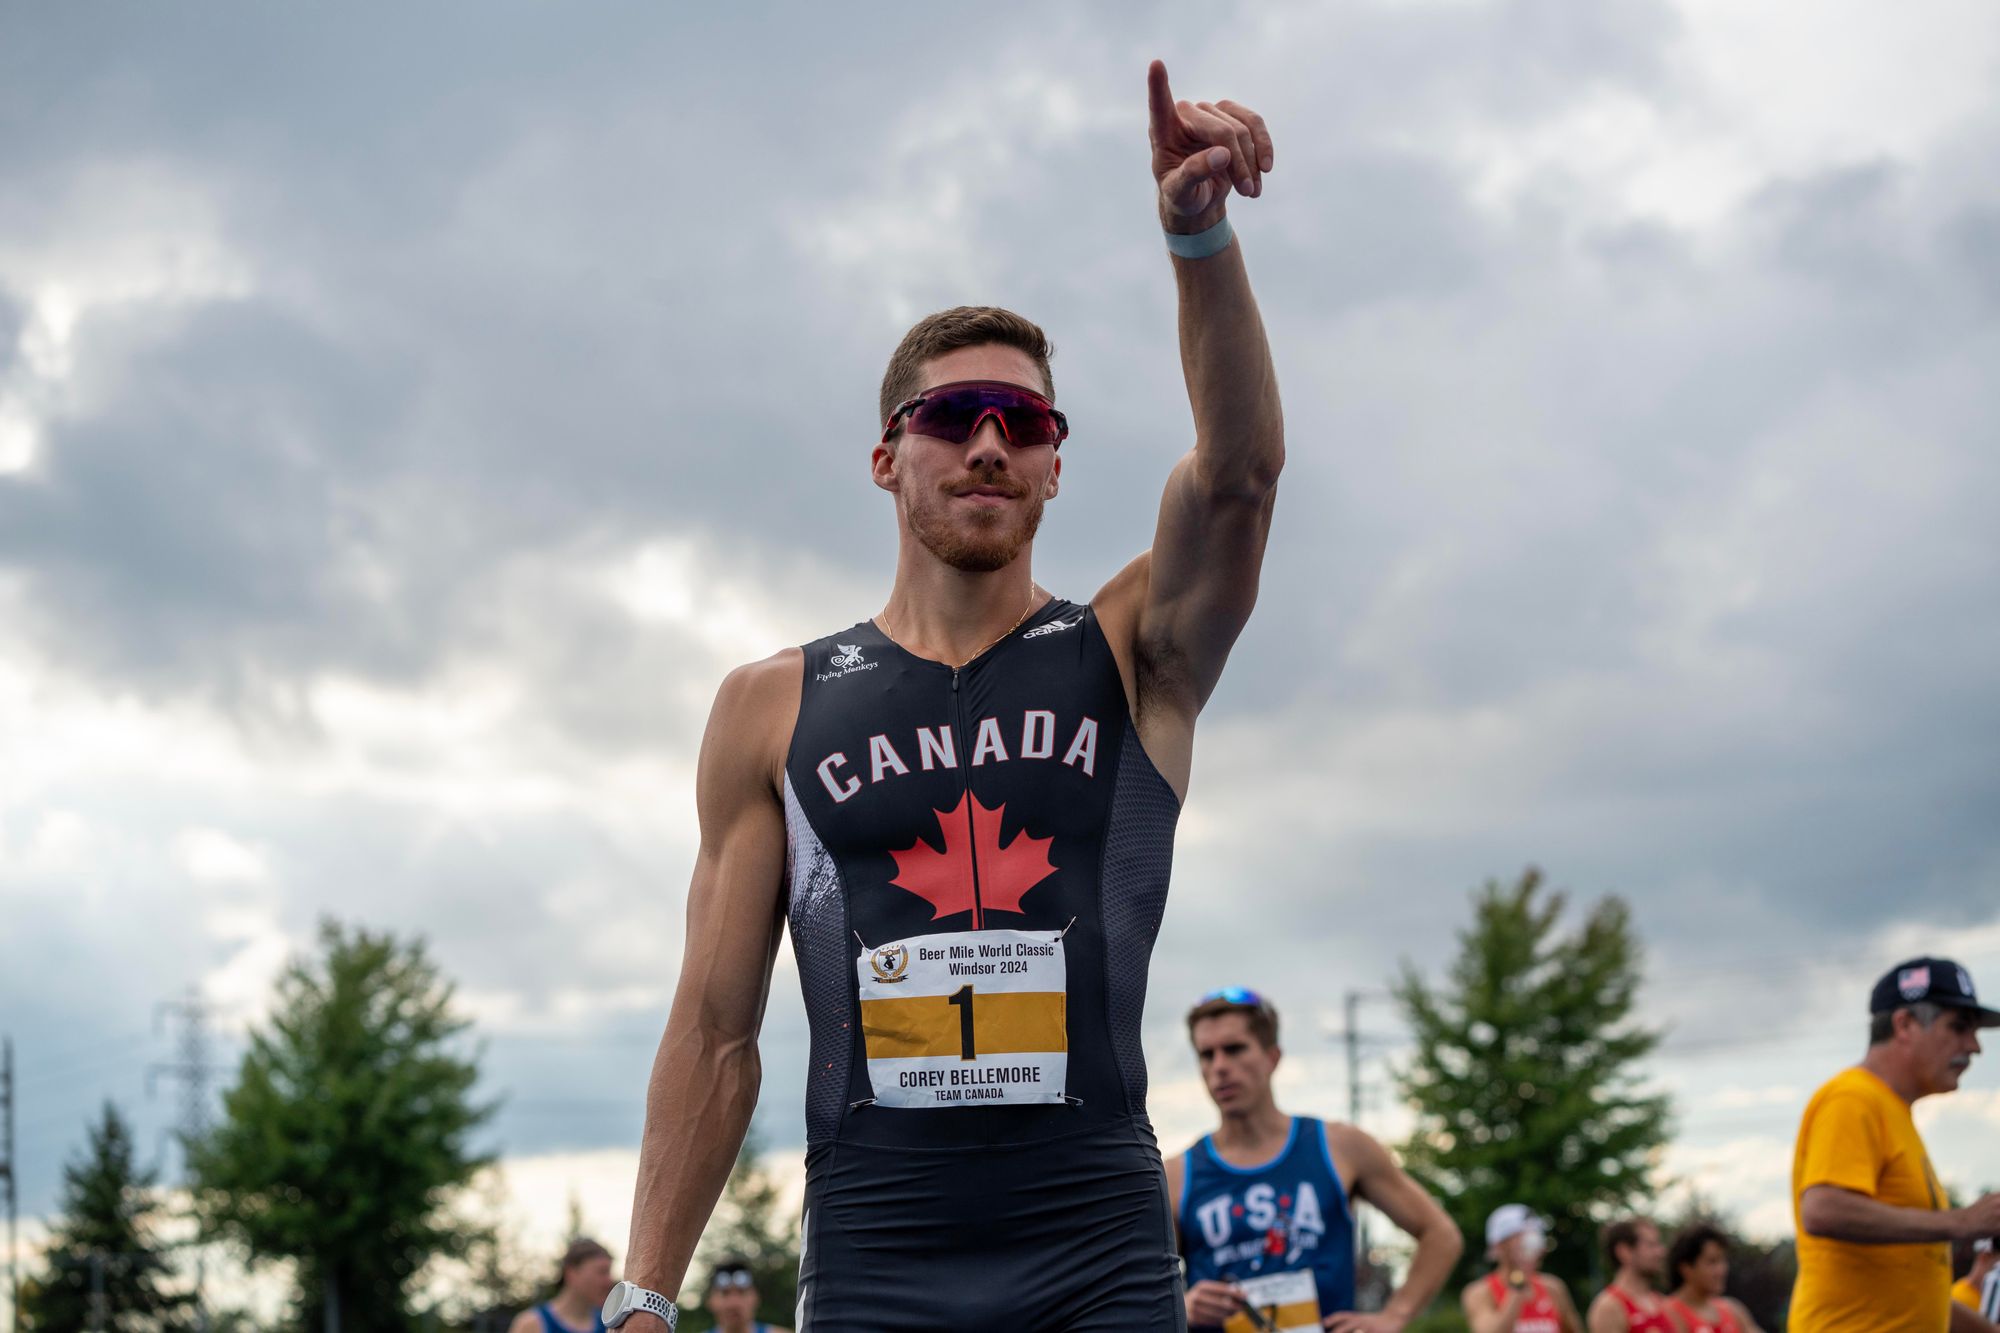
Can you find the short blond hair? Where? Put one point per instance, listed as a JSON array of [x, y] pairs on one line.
[[949, 330]]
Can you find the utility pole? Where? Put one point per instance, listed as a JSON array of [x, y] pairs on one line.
[[192, 1070], [1352, 1038], [7, 1174]]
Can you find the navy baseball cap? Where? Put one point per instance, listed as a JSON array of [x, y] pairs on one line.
[[1929, 981]]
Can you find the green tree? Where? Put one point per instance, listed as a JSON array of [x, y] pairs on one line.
[[102, 1257], [348, 1132], [1525, 1083], [752, 1224]]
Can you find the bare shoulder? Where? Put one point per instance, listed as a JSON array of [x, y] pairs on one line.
[[1477, 1298], [1555, 1285], [525, 1322], [750, 726], [758, 685], [1354, 1150]]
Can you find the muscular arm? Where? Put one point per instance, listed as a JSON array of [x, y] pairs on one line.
[[1376, 1178], [705, 1076], [1174, 614]]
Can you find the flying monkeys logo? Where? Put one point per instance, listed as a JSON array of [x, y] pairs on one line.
[[845, 662]]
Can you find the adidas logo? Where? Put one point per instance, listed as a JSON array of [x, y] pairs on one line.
[[1054, 627]]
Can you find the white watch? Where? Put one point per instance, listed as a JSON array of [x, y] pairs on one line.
[[628, 1298]]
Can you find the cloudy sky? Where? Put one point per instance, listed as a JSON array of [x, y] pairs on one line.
[[407, 417]]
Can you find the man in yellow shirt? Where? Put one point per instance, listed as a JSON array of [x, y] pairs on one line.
[[1970, 1290], [1874, 1227]]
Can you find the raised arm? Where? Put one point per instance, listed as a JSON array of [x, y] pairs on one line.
[[705, 1076], [1185, 601], [1375, 1177]]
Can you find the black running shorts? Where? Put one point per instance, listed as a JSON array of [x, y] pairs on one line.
[[1063, 1236]]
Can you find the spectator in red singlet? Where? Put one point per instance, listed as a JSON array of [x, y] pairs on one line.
[[1630, 1304], [1699, 1263], [1517, 1297]]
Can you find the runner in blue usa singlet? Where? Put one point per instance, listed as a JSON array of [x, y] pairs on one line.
[[1287, 1215]]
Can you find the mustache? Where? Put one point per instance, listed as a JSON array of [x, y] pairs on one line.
[[991, 477]]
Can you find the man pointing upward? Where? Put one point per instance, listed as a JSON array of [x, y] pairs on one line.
[[965, 808]]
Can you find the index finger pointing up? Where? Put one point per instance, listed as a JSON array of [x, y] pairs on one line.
[[1160, 100]]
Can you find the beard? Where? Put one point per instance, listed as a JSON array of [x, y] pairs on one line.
[[976, 541]]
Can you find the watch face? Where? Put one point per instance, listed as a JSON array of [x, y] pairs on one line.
[[618, 1302]]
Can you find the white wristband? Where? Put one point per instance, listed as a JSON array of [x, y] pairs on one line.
[[1201, 244]]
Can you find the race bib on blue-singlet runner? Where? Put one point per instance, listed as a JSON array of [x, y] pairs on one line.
[[1288, 1300]]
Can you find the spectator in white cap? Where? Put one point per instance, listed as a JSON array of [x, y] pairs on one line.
[[1517, 1297]]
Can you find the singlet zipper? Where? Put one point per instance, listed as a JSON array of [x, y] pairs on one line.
[[965, 770]]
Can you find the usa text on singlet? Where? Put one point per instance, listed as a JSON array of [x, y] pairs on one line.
[[978, 861]]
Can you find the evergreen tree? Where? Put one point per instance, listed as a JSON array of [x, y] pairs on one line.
[[1526, 1083], [102, 1257], [347, 1132]]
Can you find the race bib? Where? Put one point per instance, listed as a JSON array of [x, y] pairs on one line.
[[976, 1018], [1288, 1300]]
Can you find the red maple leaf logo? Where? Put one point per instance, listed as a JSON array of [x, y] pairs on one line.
[[944, 879]]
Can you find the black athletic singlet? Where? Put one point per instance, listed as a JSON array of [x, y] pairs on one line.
[[977, 866]]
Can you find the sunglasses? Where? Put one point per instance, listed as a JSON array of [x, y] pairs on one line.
[[952, 412], [1237, 995], [727, 1281]]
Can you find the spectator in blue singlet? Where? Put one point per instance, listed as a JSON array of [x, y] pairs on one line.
[[732, 1299], [1264, 1205], [581, 1286]]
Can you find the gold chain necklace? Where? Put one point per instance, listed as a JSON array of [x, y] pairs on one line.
[[1033, 589]]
